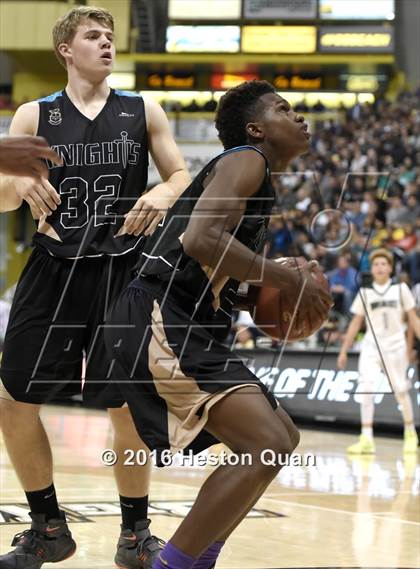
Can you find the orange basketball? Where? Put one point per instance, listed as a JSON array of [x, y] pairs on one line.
[[274, 314]]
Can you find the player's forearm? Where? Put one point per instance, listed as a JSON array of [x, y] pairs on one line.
[[414, 322], [410, 338], [229, 257], [351, 334], [9, 199], [177, 183]]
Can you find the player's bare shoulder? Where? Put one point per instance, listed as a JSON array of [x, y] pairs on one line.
[[154, 113], [26, 119]]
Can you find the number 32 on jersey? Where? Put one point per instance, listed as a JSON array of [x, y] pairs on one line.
[[80, 202]]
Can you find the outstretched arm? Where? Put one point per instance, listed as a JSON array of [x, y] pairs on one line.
[[20, 157], [352, 331], [414, 321]]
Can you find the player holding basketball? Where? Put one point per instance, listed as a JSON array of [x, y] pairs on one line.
[[384, 347], [183, 387], [89, 233]]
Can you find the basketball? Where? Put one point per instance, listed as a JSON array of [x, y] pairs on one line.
[[274, 313]]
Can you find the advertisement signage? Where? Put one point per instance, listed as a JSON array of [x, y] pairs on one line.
[[279, 39], [223, 81], [356, 39], [308, 385], [357, 10], [206, 39], [280, 9], [213, 10], [170, 81], [298, 82]]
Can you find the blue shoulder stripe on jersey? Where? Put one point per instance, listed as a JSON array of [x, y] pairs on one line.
[[126, 93], [50, 98], [244, 147], [247, 147]]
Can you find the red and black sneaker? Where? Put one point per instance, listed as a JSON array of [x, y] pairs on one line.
[[45, 542], [137, 549]]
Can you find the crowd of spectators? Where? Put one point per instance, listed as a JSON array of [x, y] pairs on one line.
[[358, 189], [210, 106]]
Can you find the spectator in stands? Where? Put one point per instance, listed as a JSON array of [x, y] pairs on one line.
[[411, 264], [193, 107], [360, 248], [280, 237], [330, 334], [359, 161], [210, 106], [318, 107], [355, 215], [343, 283], [301, 107], [397, 213], [413, 208], [404, 237]]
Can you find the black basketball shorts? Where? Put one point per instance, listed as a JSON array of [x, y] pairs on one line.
[[169, 367], [56, 323]]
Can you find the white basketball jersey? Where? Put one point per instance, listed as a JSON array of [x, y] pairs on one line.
[[383, 307]]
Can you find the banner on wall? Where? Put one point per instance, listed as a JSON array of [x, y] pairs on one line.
[[280, 9], [278, 39], [308, 385], [357, 10], [206, 39], [214, 10], [351, 39]]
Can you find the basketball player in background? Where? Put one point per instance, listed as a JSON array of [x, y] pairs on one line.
[[22, 156], [413, 341], [184, 388], [92, 213], [384, 347]]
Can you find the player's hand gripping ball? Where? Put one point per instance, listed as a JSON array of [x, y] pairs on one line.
[[284, 316]]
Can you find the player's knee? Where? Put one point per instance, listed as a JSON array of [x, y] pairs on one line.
[[14, 414], [278, 441], [122, 423]]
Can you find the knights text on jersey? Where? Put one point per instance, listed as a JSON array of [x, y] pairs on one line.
[[104, 172]]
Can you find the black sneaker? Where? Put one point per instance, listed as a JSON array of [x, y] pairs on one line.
[[45, 542], [137, 549]]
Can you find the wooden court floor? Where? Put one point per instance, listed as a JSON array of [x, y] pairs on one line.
[[339, 513]]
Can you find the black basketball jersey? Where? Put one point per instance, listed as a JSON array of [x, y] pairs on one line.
[[104, 173], [163, 256]]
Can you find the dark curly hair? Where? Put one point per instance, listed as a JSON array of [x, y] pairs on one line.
[[236, 108]]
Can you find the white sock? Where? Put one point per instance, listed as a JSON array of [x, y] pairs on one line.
[[366, 412], [409, 428], [367, 432]]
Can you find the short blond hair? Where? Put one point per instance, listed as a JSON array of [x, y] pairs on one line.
[[65, 27], [382, 252]]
